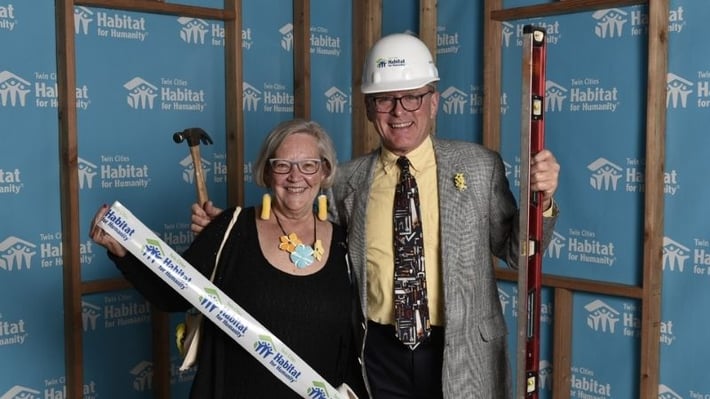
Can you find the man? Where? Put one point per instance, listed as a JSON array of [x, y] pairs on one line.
[[456, 347]]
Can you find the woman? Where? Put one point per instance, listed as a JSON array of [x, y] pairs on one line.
[[281, 263]]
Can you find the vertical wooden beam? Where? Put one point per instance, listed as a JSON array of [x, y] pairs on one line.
[[234, 113], [654, 197], [492, 65], [302, 58], [562, 344], [69, 195], [367, 28], [427, 32], [427, 24]]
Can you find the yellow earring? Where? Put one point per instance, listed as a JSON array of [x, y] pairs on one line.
[[322, 207], [266, 207]]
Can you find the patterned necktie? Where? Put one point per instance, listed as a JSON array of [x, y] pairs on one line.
[[411, 311]]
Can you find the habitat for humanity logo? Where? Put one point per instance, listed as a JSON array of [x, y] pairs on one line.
[[177, 235], [454, 101], [509, 303], [557, 244], [602, 317], [14, 91], [664, 392], [337, 101], [513, 33], [173, 269], [12, 332], [323, 43], [582, 246], [274, 97], [188, 169], [512, 171], [679, 90], [608, 176], [676, 255], [545, 375], [588, 94], [251, 97], [447, 42], [16, 254], [7, 17], [218, 167], [275, 359], [609, 22], [117, 171], [117, 310], [10, 181], [286, 32], [52, 250], [20, 392], [174, 95], [121, 26], [142, 376], [584, 384], [555, 95], [201, 32]]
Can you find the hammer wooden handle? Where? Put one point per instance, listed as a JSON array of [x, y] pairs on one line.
[[199, 175]]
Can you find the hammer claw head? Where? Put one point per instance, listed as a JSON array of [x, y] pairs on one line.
[[193, 135]]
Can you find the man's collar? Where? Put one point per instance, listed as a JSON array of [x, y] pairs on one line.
[[417, 157]]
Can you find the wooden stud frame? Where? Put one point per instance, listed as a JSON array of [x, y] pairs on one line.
[[74, 288], [649, 293]]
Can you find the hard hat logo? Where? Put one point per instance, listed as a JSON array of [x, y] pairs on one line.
[[385, 72], [390, 63]]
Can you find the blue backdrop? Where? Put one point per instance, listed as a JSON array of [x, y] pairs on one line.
[[143, 77]]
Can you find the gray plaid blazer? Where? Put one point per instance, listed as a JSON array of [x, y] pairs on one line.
[[475, 224]]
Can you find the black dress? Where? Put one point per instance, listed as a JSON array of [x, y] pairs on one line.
[[312, 315]]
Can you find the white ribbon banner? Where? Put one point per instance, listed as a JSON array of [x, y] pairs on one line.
[[271, 352]]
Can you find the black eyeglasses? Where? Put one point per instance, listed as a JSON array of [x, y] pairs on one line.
[[283, 166], [410, 102]]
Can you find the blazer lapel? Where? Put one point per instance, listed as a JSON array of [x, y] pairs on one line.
[[448, 163], [356, 201]]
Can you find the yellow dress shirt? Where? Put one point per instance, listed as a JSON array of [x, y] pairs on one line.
[[380, 251]]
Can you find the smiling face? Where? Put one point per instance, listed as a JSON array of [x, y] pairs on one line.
[[295, 191], [402, 131]]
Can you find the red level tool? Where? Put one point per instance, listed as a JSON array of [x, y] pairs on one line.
[[532, 139]]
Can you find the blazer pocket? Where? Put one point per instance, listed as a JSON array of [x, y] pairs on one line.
[[492, 328]]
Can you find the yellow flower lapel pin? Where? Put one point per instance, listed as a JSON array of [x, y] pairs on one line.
[[460, 182]]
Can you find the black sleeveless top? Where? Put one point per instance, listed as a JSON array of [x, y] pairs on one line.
[[310, 314]]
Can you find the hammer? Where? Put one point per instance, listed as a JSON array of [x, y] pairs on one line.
[[194, 136]]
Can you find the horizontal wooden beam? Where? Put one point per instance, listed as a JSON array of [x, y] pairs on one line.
[[579, 285], [559, 7], [159, 7], [104, 285]]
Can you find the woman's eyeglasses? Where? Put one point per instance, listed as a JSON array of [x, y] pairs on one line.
[[284, 166]]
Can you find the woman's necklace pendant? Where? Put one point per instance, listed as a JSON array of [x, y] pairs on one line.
[[301, 255]]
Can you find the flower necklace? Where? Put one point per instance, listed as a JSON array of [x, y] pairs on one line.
[[301, 255]]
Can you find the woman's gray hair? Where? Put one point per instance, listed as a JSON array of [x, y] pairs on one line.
[[276, 137]]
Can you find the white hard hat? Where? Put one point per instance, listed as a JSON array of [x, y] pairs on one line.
[[398, 62]]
